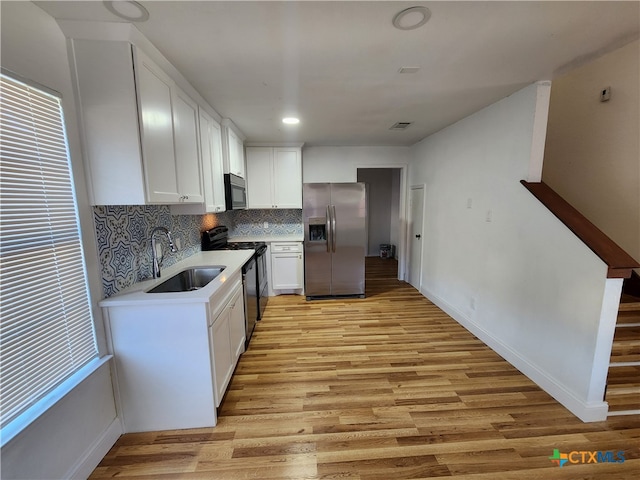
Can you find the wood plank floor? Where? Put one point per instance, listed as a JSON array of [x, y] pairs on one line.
[[386, 387]]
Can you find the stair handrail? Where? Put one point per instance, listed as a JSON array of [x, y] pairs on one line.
[[620, 263]]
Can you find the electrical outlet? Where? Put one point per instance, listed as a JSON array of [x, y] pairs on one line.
[[469, 202], [266, 224], [489, 216], [605, 94]]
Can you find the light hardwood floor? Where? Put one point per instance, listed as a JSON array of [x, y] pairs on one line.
[[386, 387]]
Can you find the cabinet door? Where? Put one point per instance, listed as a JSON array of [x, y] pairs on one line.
[[286, 271], [156, 119], [237, 324], [240, 157], [217, 167], [185, 128], [259, 181], [223, 361], [236, 154], [287, 178], [211, 154]]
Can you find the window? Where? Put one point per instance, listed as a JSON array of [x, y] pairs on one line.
[[46, 325]]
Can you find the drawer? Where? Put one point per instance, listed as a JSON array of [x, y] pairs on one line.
[[286, 247]]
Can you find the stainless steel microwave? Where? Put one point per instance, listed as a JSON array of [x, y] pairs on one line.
[[235, 192]]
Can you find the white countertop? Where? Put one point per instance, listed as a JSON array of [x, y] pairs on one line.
[[269, 238], [233, 260]]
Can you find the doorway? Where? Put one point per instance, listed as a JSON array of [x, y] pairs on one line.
[[384, 211]]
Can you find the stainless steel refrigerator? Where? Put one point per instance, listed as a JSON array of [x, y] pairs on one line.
[[334, 239]]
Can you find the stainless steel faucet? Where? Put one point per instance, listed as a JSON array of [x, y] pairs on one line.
[[157, 262]]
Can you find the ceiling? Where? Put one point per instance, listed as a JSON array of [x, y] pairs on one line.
[[335, 64]]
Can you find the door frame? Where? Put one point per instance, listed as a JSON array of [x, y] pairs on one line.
[[402, 209], [423, 187]]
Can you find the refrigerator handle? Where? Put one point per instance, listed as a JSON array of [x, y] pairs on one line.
[[329, 235], [333, 227]]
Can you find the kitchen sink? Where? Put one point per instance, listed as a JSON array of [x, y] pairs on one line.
[[188, 280]]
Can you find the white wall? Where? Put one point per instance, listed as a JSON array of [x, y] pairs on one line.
[[506, 268], [340, 164], [76, 432], [592, 155]]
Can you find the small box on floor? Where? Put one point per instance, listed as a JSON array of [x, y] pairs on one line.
[[387, 250]]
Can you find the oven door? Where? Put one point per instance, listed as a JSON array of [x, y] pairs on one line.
[[235, 192], [263, 283], [249, 280]]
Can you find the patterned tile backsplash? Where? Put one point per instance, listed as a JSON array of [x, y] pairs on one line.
[[123, 235], [251, 223]]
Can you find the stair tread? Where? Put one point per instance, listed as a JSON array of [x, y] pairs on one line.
[[625, 358], [629, 306], [627, 334], [628, 316], [625, 401]]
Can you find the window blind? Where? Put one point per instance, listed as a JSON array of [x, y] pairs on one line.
[[46, 325]]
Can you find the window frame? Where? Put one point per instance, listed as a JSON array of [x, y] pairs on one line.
[[67, 384]]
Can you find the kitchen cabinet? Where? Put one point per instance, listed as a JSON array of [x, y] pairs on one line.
[[139, 129], [233, 149], [212, 170], [274, 177], [226, 336], [173, 358], [286, 266]]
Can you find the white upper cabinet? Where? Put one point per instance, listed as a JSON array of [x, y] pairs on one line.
[[185, 131], [212, 163], [274, 177], [140, 134], [233, 150], [156, 130], [212, 172]]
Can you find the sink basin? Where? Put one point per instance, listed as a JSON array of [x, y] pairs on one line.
[[188, 280]]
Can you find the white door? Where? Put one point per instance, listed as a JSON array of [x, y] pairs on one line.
[[415, 235]]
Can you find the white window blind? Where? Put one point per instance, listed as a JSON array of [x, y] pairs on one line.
[[46, 326]]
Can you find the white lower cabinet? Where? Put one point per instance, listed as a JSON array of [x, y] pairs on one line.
[[286, 266], [173, 361], [226, 336]]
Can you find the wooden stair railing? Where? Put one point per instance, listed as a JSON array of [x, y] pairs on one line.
[[620, 263]]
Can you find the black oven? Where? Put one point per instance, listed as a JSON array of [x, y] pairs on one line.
[[235, 192]]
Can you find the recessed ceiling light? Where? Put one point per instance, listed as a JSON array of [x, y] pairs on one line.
[[412, 17], [291, 120], [127, 9]]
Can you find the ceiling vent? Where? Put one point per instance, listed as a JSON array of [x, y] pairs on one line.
[[400, 126]]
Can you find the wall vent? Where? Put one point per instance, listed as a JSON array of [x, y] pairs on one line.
[[400, 125], [409, 70]]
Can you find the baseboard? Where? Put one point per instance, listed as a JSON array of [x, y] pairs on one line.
[[96, 452], [594, 412]]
